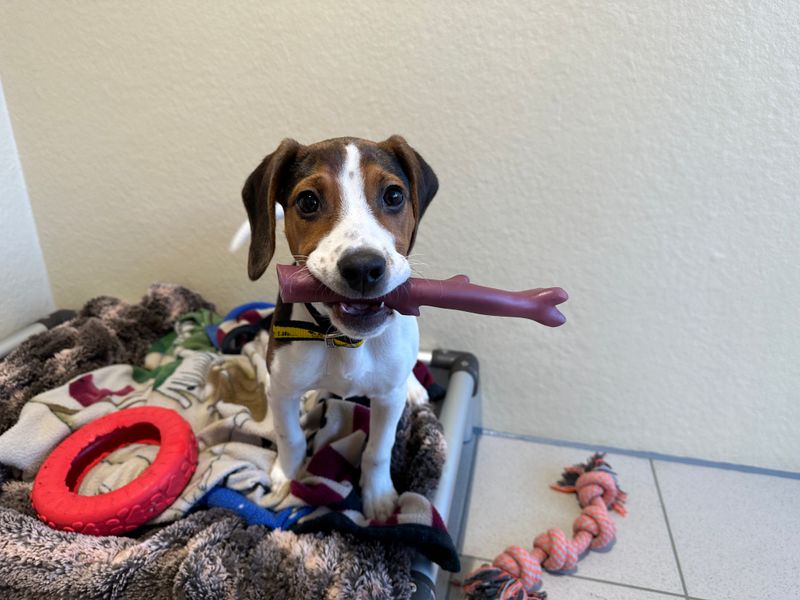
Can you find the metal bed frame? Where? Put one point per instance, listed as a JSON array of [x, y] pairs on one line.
[[459, 414]]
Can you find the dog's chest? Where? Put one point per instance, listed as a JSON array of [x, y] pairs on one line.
[[345, 372], [353, 371]]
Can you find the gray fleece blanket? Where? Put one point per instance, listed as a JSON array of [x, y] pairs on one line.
[[210, 553]]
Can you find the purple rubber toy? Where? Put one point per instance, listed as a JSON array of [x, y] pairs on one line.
[[457, 293]]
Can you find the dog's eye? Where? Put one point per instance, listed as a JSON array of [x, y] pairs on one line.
[[393, 197], [307, 203]]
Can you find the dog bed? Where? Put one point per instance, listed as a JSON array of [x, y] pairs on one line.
[[218, 541]]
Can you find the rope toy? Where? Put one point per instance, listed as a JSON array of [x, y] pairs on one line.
[[516, 574]]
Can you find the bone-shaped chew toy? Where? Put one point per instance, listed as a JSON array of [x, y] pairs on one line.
[[457, 293]]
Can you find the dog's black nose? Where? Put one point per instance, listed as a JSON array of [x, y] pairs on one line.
[[363, 270]]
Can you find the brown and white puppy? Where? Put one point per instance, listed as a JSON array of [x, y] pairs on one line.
[[351, 210]]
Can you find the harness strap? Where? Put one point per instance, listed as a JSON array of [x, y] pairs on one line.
[[322, 330]]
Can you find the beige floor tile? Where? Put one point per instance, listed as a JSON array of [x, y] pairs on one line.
[[736, 534], [511, 503]]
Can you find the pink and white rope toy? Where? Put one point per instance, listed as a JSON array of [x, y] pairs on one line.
[[516, 574]]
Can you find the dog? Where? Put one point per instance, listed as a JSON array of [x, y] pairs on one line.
[[351, 209]]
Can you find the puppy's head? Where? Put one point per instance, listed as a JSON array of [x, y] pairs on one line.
[[352, 208]]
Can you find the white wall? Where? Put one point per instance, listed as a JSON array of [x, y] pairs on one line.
[[24, 290], [642, 155]]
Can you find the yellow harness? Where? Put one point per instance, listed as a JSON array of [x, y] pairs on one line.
[[321, 331]]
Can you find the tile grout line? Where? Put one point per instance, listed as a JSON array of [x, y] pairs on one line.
[[627, 585], [669, 529], [683, 460], [596, 580]]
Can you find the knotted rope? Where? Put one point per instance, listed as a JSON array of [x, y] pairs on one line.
[[516, 574]]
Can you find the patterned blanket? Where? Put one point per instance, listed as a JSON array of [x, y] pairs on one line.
[[218, 539]]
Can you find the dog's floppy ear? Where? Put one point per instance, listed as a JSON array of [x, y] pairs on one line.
[[260, 193], [421, 177]]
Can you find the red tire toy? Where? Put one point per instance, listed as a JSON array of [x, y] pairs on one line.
[[55, 496]]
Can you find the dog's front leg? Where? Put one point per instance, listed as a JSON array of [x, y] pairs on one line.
[[285, 408], [377, 488]]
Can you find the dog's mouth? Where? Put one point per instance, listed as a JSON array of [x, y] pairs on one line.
[[359, 318], [358, 308]]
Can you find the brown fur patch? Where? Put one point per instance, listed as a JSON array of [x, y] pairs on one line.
[[317, 168], [304, 234], [377, 178]]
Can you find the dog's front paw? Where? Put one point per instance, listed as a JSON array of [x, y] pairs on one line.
[[416, 394], [279, 485], [379, 500]]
